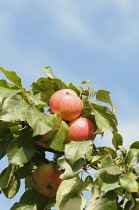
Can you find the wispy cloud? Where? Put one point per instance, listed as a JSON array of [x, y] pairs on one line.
[[126, 5], [111, 27]]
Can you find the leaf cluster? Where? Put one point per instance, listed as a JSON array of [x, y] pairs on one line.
[[109, 174]]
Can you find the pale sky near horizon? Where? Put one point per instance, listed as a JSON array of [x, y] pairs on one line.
[[80, 40]]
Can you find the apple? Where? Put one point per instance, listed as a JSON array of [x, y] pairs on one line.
[[46, 179], [81, 129], [67, 103]]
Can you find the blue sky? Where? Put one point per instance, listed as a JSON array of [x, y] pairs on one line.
[[80, 40]]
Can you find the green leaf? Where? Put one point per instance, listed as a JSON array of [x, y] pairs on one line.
[[137, 170], [36, 100], [123, 150], [88, 183], [15, 206], [129, 183], [135, 145], [96, 193], [15, 128], [33, 197], [39, 121], [94, 159], [12, 188], [28, 181], [48, 86], [25, 171], [76, 150], [136, 206], [132, 157], [107, 161], [49, 72], [108, 164], [12, 76], [113, 170], [21, 149], [117, 140], [6, 92], [39, 158], [3, 83], [9, 182], [58, 84], [76, 88], [101, 122], [6, 176], [92, 91], [69, 172], [111, 152], [77, 202], [19, 206], [85, 101], [67, 190], [119, 191], [8, 124], [101, 151], [104, 96], [14, 109], [5, 139], [107, 181], [43, 96], [105, 119], [58, 133], [44, 85], [107, 202]]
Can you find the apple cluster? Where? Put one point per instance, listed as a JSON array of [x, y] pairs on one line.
[[68, 104], [70, 107]]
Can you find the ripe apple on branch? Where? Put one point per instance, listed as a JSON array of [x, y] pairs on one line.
[[81, 129], [67, 103]]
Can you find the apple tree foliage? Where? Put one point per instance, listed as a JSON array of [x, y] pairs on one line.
[[109, 174]]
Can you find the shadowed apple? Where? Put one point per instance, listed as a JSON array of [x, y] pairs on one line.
[[46, 179]]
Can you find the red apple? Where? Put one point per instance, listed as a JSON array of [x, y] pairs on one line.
[[46, 179], [81, 129], [67, 103]]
